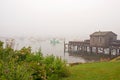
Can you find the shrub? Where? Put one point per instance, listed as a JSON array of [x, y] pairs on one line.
[[55, 68], [14, 71], [25, 65]]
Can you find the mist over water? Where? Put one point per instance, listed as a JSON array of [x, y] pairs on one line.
[[47, 48]]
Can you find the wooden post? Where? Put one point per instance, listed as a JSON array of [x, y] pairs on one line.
[[90, 49], [110, 51], [73, 48], [81, 48], [96, 50], [103, 51], [116, 52], [77, 48], [69, 48], [64, 47], [85, 48], [119, 51]]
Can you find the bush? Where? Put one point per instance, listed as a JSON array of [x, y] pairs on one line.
[[25, 65], [55, 67], [14, 71]]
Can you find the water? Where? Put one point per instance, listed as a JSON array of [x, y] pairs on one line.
[[46, 47]]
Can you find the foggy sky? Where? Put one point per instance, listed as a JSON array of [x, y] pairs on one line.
[[58, 17]]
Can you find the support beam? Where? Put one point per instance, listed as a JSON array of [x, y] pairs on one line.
[[119, 51], [110, 50], [96, 50], [103, 50], [69, 47], [90, 49], [85, 48], [116, 52], [78, 48]]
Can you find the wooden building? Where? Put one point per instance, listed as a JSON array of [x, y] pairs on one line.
[[99, 42], [102, 39]]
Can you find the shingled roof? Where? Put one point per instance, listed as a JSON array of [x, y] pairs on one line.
[[102, 33]]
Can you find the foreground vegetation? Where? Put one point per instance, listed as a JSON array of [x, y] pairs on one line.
[[95, 71], [25, 65]]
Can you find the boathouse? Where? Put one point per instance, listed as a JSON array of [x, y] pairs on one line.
[[102, 39], [99, 42]]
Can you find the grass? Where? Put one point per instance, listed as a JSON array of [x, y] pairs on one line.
[[95, 71]]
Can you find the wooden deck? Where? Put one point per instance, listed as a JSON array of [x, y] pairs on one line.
[[84, 47]]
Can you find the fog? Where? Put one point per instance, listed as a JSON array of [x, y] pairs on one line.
[[73, 18]]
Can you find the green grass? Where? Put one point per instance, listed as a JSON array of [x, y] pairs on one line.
[[95, 71]]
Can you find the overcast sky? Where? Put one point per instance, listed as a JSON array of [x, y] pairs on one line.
[[58, 17]]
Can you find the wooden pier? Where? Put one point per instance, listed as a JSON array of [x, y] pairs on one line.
[[104, 43]]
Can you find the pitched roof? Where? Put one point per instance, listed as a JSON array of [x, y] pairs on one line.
[[102, 33]]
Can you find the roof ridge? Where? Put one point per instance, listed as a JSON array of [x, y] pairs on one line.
[[103, 33]]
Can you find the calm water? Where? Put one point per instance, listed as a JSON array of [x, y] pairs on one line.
[[46, 47]]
